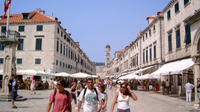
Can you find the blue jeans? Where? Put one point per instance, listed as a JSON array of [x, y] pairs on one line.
[[128, 110]]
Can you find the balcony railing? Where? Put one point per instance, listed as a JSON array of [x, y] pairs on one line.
[[11, 36]]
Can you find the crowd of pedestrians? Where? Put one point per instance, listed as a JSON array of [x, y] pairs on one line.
[[90, 95]]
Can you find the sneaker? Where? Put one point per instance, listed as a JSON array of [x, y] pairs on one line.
[[14, 107]]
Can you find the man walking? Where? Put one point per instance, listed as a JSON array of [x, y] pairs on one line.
[[90, 97], [14, 91], [61, 99], [188, 87]]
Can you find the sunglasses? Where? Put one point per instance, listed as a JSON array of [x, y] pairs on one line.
[[58, 84], [124, 87]]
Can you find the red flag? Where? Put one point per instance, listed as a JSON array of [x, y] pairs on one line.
[[6, 5]]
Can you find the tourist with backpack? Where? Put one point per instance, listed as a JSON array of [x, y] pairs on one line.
[[60, 98], [90, 97]]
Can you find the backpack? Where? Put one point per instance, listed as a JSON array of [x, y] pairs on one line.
[[95, 92], [67, 93], [55, 91]]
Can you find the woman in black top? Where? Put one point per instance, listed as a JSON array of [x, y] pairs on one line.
[[73, 92], [10, 80]]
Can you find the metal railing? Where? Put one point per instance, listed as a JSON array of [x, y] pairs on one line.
[[12, 36]]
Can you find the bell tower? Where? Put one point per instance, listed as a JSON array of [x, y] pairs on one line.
[[107, 55]]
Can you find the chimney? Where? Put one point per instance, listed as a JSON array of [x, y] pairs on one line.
[[77, 44], [139, 34], [150, 18], [40, 11], [159, 13]]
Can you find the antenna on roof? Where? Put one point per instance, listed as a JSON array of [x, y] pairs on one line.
[[52, 14]]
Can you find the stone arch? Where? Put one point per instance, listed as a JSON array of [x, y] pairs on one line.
[[196, 43]]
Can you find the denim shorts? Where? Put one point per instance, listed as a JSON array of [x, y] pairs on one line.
[[128, 110]]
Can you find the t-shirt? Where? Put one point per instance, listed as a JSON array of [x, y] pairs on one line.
[[60, 103], [189, 87], [103, 96], [90, 102], [15, 85]]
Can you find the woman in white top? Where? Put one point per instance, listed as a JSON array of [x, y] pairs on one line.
[[33, 86], [122, 98]]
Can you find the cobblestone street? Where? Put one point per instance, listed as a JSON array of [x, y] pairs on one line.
[[147, 102]]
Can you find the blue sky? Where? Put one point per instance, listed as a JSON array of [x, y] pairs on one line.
[[96, 23]]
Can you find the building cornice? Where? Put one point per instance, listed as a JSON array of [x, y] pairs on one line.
[[194, 18], [169, 5]]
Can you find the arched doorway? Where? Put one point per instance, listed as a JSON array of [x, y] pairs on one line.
[[196, 58]]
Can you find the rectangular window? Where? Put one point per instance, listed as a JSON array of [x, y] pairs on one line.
[[178, 40], [57, 47], [176, 7], [25, 15], [3, 29], [168, 14], [146, 35], [37, 61], [1, 47], [137, 59], [1, 60], [19, 60], [170, 42], [186, 2], [58, 30], [64, 50], [21, 44], [57, 62], [143, 38], [187, 34], [147, 55], [61, 34], [60, 63], [61, 48], [39, 27], [150, 33], [21, 28], [154, 53], [38, 44], [150, 56]]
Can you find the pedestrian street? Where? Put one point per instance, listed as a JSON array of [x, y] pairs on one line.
[[147, 102]]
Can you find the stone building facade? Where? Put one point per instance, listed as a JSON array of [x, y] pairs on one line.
[[44, 45], [172, 35]]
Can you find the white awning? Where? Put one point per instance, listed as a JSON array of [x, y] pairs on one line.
[[62, 74], [80, 75], [176, 67], [130, 76]]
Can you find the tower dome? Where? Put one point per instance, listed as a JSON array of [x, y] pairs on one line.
[[107, 46]]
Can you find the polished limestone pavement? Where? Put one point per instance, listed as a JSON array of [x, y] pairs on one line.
[[147, 102]]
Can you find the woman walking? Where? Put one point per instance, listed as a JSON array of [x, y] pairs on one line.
[[122, 97], [104, 97], [73, 92], [33, 86]]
